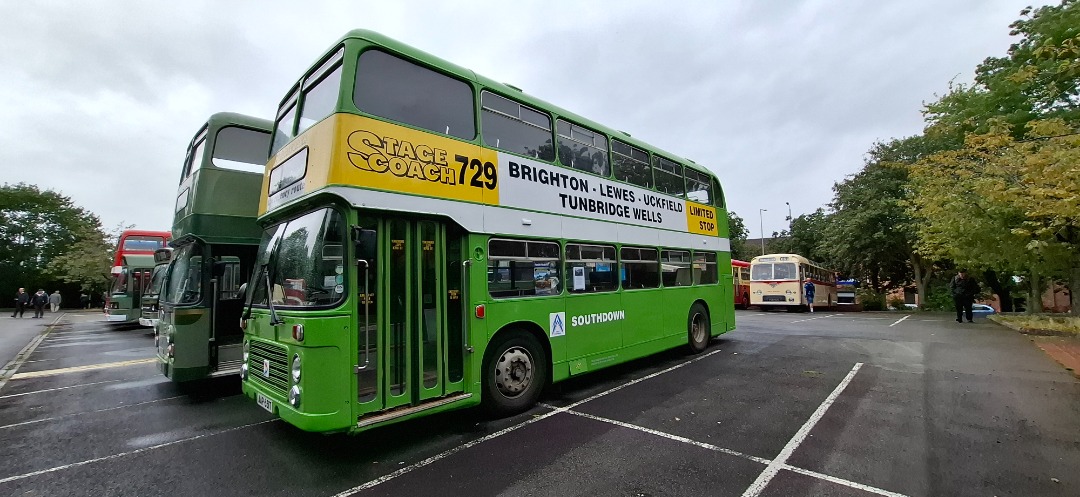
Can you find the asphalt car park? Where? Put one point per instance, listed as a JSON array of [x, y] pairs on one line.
[[899, 404]]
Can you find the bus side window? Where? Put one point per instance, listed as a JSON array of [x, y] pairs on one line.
[[597, 262], [639, 268], [675, 267], [519, 268], [583, 149], [508, 125]]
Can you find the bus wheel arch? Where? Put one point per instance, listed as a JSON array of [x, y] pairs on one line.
[[515, 370], [698, 327]]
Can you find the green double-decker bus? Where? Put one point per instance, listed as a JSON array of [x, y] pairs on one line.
[[151, 295], [215, 238], [436, 240]]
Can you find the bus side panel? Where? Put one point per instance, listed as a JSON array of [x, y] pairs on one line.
[[641, 309]]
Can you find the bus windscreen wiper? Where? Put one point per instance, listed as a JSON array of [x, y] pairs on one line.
[[274, 319]]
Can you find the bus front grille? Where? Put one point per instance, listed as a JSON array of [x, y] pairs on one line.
[[268, 365]]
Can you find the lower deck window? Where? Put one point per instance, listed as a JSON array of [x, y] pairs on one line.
[[519, 268]]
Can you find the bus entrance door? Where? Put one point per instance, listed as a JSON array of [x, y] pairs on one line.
[[416, 364]]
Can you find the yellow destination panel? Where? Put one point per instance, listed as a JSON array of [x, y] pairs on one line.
[[701, 219], [386, 156]]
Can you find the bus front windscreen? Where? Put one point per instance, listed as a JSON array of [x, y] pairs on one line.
[[307, 266], [778, 271], [154, 288], [119, 284], [185, 281]]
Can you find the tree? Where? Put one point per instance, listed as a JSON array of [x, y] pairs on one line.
[[1039, 79], [87, 262], [872, 235], [1005, 205], [36, 227], [806, 238], [737, 233]]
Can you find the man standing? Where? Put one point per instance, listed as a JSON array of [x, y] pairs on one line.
[[808, 290], [54, 301], [963, 289], [22, 299], [84, 300], [39, 300]]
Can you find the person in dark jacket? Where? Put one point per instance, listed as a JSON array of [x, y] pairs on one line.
[[39, 300], [963, 288], [22, 299]]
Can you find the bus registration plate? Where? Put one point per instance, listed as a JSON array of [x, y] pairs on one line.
[[264, 402]]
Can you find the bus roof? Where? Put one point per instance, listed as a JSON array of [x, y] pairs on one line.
[[402, 49], [738, 263], [220, 205], [769, 258]]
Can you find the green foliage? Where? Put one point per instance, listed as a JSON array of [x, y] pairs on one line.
[[938, 299], [871, 300], [36, 227], [1039, 79], [806, 238], [738, 233], [87, 262]]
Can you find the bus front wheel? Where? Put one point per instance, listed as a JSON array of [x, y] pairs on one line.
[[697, 328], [515, 370]]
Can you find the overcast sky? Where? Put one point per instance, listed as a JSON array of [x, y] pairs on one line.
[[779, 98]]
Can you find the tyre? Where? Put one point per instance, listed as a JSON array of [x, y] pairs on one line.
[[697, 328], [515, 372]]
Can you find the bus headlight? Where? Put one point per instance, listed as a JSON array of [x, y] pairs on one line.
[[246, 348], [296, 368], [294, 396], [243, 370]]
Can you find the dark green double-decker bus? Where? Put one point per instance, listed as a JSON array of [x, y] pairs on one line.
[[437, 240], [151, 295], [215, 238]]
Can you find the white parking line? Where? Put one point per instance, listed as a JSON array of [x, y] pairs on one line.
[[57, 388], [811, 319], [88, 367], [24, 354], [898, 321], [814, 474], [123, 454], [660, 434], [125, 406], [449, 452], [777, 464]]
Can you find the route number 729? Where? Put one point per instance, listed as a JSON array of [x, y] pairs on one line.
[[483, 174]]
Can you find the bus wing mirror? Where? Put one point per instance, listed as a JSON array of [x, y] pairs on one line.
[[365, 242]]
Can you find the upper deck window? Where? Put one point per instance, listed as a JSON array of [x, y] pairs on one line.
[[669, 176], [241, 149], [140, 242], [285, 125], [396, 89], [321, 90], [195, 156], [631, 164], [699, 187], [582, 148], [516, 128]]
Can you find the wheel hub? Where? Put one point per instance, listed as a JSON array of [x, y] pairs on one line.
[[513, 372]]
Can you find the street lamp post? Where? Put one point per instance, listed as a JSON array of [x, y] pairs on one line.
[[788, 214], [761, 228]]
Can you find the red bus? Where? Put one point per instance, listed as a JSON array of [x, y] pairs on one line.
[[139, 242], [740, 275], [132, 267]]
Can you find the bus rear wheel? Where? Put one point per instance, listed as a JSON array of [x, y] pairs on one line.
[[515, 371], [697, 328]]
